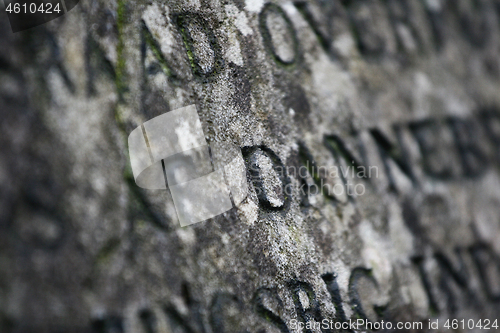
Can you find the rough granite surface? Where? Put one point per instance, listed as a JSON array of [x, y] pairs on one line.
[[407, 89]]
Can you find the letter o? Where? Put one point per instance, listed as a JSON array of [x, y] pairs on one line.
[[266, 33]]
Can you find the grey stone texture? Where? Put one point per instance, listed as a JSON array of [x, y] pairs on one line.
[[370, 132]]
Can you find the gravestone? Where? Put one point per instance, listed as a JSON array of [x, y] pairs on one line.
[[370, 134]]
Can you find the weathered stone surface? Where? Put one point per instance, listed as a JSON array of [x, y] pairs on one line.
[[406, 90]]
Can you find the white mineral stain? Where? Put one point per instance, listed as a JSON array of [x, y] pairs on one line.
[[344, 44], [239, 18], [423, 89], [289, 8], [401, 237], [156, 21], [233, 50], [343, 273], [225, 238], [373, 253], [186, 235], [434, 5], [254, 5]]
